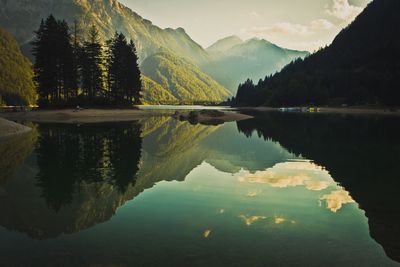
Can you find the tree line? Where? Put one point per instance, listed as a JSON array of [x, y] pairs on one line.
[[70, 71], [360, 67]]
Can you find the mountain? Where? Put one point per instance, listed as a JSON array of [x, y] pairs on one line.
[[225, 44], [360, 67], [234, 60], [153, 93], [22, 18], [227, 62], [182, 78], [36, 204], [16, 85]]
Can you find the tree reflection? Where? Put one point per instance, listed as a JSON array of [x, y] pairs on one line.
[[360, 152], [70, 156]]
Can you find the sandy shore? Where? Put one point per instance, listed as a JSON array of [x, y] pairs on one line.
[[101, 115], [9, 128], [81, 116], [344, 110]]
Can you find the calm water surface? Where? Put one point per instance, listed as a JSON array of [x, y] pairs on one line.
[[277, 190]]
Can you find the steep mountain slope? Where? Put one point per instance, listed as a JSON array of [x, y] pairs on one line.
[[22, 17], [153, 93], [234, 60], [182, 78], [361, 66], [16, 85]]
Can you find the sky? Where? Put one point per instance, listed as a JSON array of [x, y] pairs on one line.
[[295, 24]]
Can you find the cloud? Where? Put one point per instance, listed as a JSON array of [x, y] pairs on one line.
[[321, 24], [341, 9], [309, 36], [287, 28], [311, 45], [282, 28]]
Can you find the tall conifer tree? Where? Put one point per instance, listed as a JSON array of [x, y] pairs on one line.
[[53, 61], [92, 66], [123, 71]]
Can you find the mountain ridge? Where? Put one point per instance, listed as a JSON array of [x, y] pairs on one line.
[[23, 17], [254, 58], [360, 67], [224, 44]]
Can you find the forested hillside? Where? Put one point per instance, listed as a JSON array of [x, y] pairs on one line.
[[183, 79], [360, 67], [16, 84], [22, 18]]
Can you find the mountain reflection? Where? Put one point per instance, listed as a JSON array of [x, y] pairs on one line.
[[78, 176], [361, 153], [14, 151]]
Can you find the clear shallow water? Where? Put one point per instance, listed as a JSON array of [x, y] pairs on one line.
[[279, 190]]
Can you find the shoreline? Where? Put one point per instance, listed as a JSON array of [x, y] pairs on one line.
[[334, 110], [101, 115], [80, 116]]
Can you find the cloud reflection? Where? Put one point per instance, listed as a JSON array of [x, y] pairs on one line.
[[253, 193], [336, 199], [249, 220], [279, 220], [206, 233], [291, 174]]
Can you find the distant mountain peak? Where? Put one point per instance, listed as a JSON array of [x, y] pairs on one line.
[[225, 44], [232, 38], [257, 40], [180, 29]]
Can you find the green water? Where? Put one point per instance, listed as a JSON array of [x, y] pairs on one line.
[[277, 190]]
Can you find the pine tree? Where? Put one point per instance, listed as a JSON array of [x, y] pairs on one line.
[[77, 51], [68, 80], [134, 78], [45, 60], [92, 66], [53, 62], [123, 71]]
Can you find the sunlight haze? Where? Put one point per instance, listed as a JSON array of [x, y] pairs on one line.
[[303, 25]]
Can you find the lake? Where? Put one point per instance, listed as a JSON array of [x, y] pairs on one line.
[[277, 190]]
